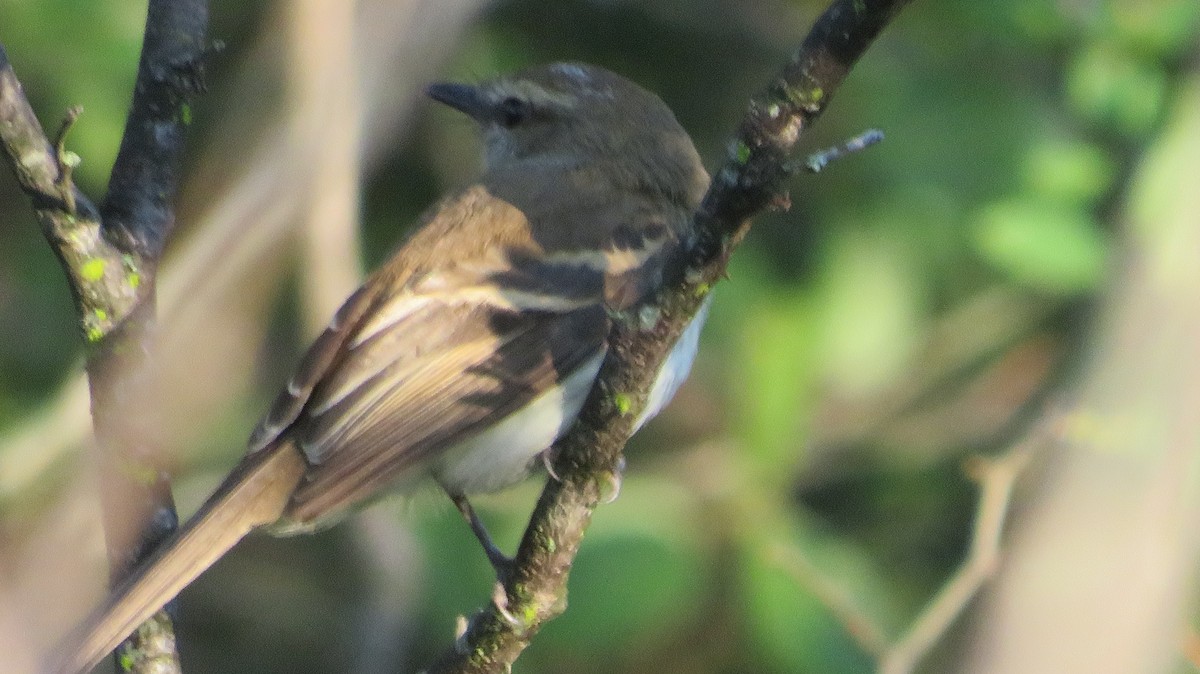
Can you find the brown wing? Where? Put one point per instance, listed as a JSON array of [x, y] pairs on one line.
[[429, 351], [427, 383], [322, 354], [630, 240]]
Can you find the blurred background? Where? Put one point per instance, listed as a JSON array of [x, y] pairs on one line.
[[1008, 283]]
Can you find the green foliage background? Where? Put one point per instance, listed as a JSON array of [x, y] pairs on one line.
[[912, 307]]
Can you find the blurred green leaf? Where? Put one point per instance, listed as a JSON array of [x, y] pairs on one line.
[[773, 379], [1113, 88], [871, 319], [654, 589], [787, 626], [90, 60], [1037, 19], [1043, 244], [1156, 28], [1074, 173]]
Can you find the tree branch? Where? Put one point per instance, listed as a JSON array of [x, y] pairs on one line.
[[138, 211], [588, 458], [93, 266], [110, 256], [138, 217], [996, 477], [860, 626]]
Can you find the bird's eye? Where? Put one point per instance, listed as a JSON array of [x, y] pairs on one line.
[[512, 111]]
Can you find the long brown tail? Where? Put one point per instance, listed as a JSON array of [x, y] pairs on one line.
[[256, 493]]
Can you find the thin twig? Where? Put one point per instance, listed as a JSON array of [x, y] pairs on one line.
[[67, 161], [139, 207], [996, 477], [817, 161], [861, 627]]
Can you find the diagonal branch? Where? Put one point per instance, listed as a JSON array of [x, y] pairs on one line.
[[589, 456]]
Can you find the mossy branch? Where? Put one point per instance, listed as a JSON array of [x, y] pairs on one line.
[[110, 256], [588, 458]]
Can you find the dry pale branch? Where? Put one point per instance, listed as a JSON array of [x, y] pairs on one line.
[[865, 631], [996, 477]]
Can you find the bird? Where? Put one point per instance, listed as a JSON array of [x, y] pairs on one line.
[[465, 355]]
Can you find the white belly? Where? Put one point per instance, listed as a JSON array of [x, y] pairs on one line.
[[676, 367], [500, 456]]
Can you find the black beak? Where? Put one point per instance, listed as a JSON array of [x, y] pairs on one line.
[[462, 97]]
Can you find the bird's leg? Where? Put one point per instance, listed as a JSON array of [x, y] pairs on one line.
[[501, 562]]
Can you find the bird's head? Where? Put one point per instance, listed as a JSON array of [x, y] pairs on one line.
[[573, 113]]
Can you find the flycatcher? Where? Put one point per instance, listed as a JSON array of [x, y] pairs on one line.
[[473, 348]]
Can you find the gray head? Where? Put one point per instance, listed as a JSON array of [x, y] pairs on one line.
[[574, 113]]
